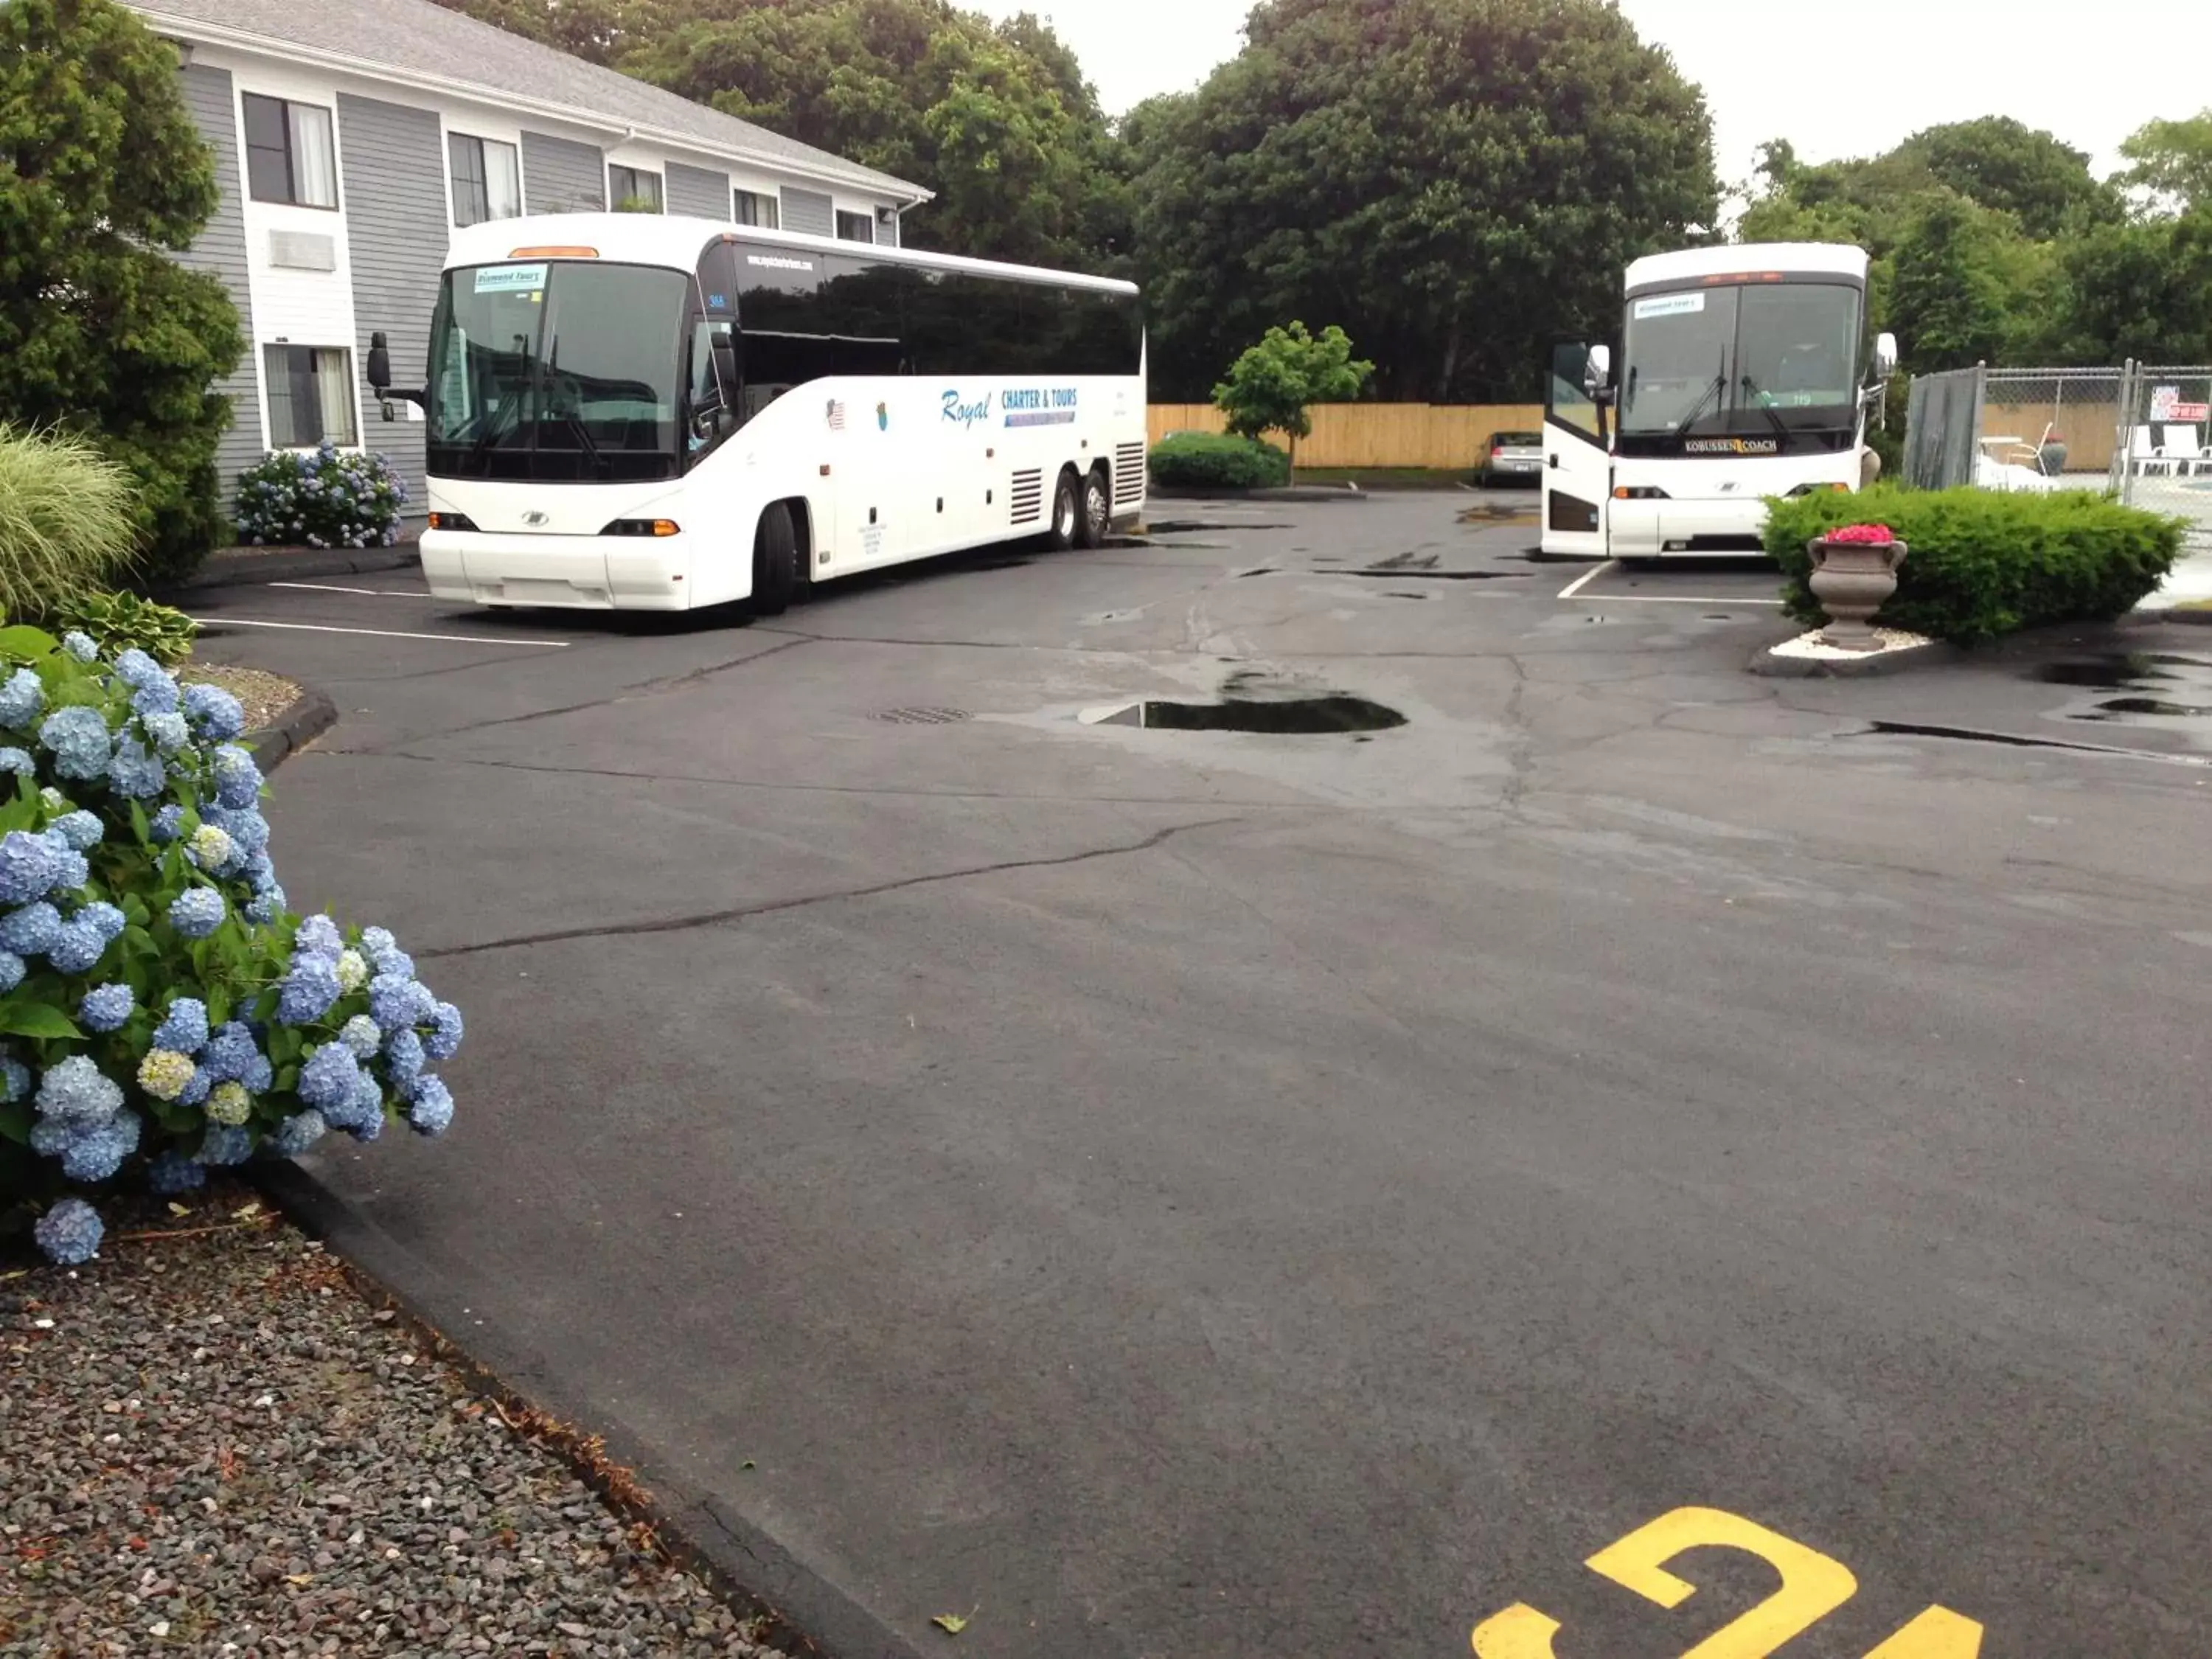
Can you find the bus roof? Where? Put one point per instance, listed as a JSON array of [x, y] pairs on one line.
[[1791, 259], [671, 239]]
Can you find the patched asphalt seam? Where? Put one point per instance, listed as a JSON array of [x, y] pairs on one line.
[[744, 912]]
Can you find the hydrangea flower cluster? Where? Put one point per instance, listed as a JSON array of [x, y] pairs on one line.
[[325, 497], [169, 1014]]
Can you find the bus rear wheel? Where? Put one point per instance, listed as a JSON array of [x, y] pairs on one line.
[[775, 561], [1066, 512], [1097, 510]]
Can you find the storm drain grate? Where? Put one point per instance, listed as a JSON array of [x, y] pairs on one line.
[[924, 716]]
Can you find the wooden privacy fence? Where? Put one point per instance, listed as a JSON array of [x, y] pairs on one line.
[[1435, 435]]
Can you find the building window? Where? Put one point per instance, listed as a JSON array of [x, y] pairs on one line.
[[754, 209], [289, 155], [856, 226], [630, 190], [487, 179], [311, 395]]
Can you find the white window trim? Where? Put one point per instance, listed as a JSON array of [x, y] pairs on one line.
[[245, 161], [447, 133], [357, 445]]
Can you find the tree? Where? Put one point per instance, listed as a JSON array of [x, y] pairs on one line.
[[1458, 180], [1997, 162], [1271, 385], [102, 175], [998, 122], [2142, 290], [1945, 299], [2174, 160], [597, 31]]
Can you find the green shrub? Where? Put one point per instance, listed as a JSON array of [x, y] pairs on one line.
[[323, 498], [102, 332], [1210, 460], [1985, 563], [66, 520], [118, 622]]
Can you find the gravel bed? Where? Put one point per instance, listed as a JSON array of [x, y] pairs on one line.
[[264, 696], [210, 1445]]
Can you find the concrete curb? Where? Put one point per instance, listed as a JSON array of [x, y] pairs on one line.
[[246, 569], [311, 715], [747, 1564], [1769, 665]]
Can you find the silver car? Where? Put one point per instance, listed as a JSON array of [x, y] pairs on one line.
[[1515, 457]]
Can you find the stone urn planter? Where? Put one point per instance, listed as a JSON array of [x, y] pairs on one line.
[[2051, 457], [1854, 574]]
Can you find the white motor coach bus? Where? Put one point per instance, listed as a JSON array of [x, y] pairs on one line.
[[1746, 371], [639, 411]]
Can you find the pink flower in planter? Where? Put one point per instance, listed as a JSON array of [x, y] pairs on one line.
[[1862, 535]]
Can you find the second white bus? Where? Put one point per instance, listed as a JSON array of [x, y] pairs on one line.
[[637, 411], [1746, 371]]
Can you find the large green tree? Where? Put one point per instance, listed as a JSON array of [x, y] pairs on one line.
[[102, 175], [998, 121], [1456, 179], [2174, 159]]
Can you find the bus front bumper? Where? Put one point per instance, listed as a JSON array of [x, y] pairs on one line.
[[583, 573], [1650, 530]]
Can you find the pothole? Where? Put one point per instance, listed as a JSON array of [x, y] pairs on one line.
[[1284, 717]]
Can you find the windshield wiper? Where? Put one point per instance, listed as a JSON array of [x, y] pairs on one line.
[[1780, 427], [1719, 385]]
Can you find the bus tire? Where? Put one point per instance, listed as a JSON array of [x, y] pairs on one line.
[[1066, 512], [1097, 510], [775, 561]]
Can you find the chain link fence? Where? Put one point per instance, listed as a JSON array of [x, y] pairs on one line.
[[2166, 463]]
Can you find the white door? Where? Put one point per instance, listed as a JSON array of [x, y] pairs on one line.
[[1577, 470]]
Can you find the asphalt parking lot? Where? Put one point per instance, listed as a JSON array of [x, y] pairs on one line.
[[1194, 1191]]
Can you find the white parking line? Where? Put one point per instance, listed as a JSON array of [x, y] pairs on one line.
[[379, 633], [1668, 599], [1588, 577], [367, 592]]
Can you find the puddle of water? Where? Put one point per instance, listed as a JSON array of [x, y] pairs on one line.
[[1293, 717], [1184, 526], [1426, 576], [2154, 681], [1261, 570], [2013, 740]]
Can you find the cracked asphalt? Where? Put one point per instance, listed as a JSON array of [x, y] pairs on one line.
[[1193, 1194]]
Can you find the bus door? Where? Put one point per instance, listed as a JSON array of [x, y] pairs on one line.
[[1577, 466]]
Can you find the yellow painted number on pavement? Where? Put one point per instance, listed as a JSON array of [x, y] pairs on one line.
[[1813, 1586]]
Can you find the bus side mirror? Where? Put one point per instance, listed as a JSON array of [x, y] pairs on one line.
[[1599, 372], [1884, 355], [379, 367]]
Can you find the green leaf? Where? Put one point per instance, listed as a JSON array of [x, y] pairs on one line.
[[22, 1018], [953, 1623], [141, 825], [26, 645], [16, 1121], [288, 1079]]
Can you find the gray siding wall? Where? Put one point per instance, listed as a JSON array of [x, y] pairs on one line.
[[394, 190], [808, 212], [221, 250], [559, 176], [698, 192]]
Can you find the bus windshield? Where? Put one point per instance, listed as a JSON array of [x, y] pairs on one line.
[[556, 371], [1752, 360]]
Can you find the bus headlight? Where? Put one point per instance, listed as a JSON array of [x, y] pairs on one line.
[[452, 521], [1639, 493], [643, 527]]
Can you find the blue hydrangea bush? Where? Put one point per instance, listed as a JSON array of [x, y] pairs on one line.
[[162, 1012], [326, 497]]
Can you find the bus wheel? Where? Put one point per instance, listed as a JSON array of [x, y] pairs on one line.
[[1066, 512], [1097, 510], [775, 559]]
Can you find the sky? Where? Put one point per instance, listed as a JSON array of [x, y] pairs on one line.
[[1837, 79]]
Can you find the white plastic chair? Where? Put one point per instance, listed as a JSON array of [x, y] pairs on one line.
[[2183, 451], [2146, 456]]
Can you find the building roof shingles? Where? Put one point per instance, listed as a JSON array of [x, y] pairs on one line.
[[418, 37]]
